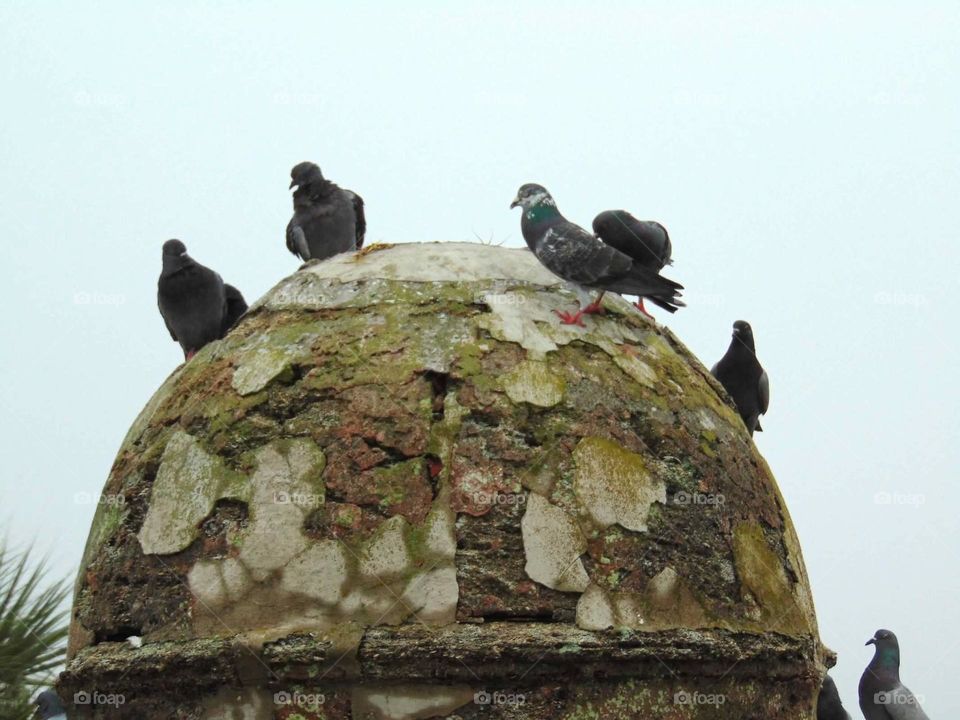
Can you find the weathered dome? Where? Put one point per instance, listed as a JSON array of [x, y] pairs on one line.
[[401, 489]]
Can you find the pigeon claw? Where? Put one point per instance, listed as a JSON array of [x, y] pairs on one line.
[[594, 308], [190, 354], [639, 306], [567, 318]]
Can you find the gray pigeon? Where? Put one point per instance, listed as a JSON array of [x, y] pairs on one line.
[[327, 220], [744, 378], [645, 241], [191, 298], [829, 705], [49, 706], [236, 306], [882, 695], [570, 252]]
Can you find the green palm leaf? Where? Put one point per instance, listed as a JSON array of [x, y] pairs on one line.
[[33, 631]]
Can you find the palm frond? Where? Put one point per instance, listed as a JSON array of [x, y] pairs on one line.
[[33, 629]]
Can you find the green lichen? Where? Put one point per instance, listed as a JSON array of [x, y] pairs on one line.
[[533, 382], [762, 575]]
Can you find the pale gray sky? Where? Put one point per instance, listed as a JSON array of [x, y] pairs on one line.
[[805, 158]]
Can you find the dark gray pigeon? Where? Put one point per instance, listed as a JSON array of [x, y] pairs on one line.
[[327, 220], [236, 306], [645, 241], [829, 705], [191, 298], [882, 695], [570, 252], [49, 706], [744, 378]]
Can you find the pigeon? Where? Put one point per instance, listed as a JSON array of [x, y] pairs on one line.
[[744, 378], [645, 241], [49, 706], [327, 220], [829, 706], [191, 298], [573, 254], [236, 306], [882, 695]]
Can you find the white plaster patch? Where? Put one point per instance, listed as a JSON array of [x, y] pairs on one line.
[[433, 595], [532, 382], [594, 610], [441, 535], [187, 485], [664, 585], [282, 496], [437, 262], [205, 582], [553, 544], [387, 555], [266, 360], [408, 702], [320, 572], [614, 485]]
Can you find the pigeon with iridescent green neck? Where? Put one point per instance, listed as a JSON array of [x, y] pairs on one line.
[[882, 695], [573, 254], [645, 241]]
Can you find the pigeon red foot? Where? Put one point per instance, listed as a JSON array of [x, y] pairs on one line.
[[639, 306], [594, 308]]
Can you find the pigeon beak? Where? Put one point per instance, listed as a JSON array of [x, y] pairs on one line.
[[294, 184], [871, 641], [515, 203]]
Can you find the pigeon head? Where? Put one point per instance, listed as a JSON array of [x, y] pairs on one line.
[[305, 173], [174, 248], [606, 222], [532, 195], [175, 256], [887, 653], [743, 336], [48, 704]]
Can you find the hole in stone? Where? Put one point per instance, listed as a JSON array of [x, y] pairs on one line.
[[438, 387], [119, 634]]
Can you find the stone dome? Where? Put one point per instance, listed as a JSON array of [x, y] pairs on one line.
[[399, 488]]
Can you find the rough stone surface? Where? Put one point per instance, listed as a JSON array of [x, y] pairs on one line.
[[399, 488]]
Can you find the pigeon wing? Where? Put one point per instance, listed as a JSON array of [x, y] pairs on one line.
[[297, 241], [236, 307], [165, 321], [361, 217], [902, 705], [763, 388], [574, 254]]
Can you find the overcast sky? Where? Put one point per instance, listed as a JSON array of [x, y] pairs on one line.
[[806, 161]]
